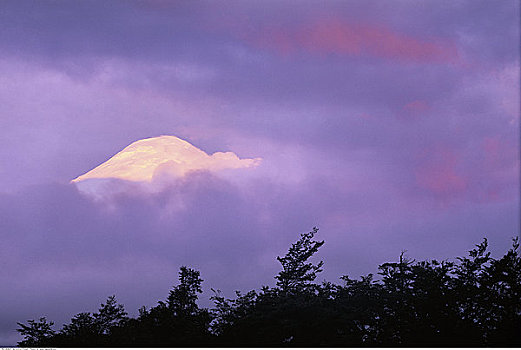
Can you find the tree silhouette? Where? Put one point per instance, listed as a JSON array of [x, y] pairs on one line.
[[81, 331], [502, 282], [35, 333], [182, 298], [473, 301], [296, 271], [110, 315], [178, 321]]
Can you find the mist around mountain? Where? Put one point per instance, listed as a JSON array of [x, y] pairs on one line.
[[471, 301]]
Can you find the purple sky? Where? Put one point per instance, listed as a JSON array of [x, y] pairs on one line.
[[390, 125]]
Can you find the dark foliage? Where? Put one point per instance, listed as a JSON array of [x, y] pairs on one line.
[[297, 273], [474, 301]]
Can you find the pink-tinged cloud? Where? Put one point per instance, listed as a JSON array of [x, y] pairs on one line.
[[413, 109], [438, 174], [334, 36], [498, 153], [498, 171], [365, 116], [491, 148]]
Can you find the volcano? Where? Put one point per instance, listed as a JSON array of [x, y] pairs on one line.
[[166, 155]]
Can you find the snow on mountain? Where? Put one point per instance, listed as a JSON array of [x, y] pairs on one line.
[[163, 157]]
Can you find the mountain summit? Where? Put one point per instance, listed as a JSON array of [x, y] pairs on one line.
[[165, 155]]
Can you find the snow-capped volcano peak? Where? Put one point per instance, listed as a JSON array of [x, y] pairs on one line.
[[165, 156]]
